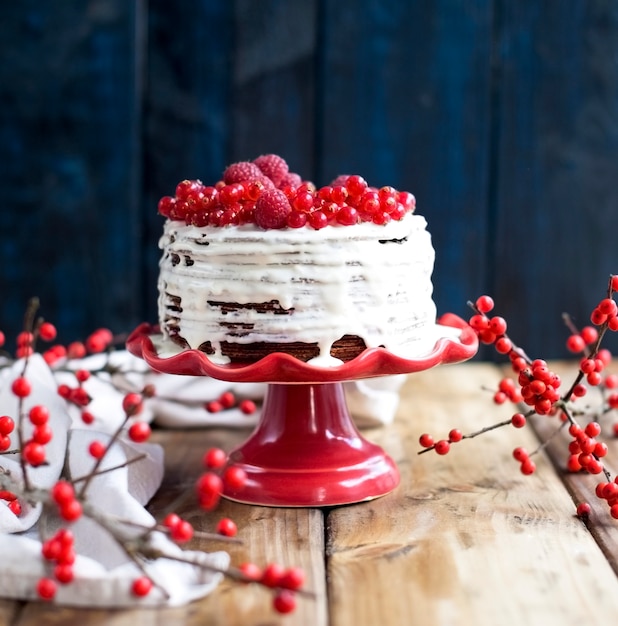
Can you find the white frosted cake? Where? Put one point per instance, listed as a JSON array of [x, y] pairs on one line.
[[271, 264]]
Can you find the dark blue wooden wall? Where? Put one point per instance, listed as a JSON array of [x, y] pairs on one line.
[[501, 116]]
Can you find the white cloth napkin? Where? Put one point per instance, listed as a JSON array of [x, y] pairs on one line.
[[103, 572]]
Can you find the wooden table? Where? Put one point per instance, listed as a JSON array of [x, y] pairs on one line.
[[465, 539]]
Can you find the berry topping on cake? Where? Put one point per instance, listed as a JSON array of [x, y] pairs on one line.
[[273, 166], [272, 209], [241, 171], [266, 193]]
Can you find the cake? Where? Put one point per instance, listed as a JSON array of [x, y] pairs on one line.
[[264, 262]]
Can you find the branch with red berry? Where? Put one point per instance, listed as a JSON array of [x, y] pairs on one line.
[[58, 482], [540, 393]]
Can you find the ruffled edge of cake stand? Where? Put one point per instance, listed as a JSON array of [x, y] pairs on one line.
[[279, 367]]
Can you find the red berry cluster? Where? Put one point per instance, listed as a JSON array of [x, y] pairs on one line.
[[69, 507], [33, 449], [585, 451], [11, 500], [265, 193], [210, 484], [7, 426], [60, 551], [227, 400], [442, 446], [527, 465], [286, 582]]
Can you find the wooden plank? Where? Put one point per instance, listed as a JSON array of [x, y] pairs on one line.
[[555, 166], [286, 536], [404, 101], [466, 538], [69, 152]]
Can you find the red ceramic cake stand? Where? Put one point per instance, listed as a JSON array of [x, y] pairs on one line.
[[306, 450]]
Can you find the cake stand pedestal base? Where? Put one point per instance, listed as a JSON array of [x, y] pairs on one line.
[[306, 451]]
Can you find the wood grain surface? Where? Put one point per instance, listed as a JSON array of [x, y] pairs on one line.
[[465, 538]]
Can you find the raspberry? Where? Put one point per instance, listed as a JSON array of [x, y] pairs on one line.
[[272, 209], [291, 179], [241, 171], [273, 166]]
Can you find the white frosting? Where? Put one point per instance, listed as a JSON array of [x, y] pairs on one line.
[[366, 280]]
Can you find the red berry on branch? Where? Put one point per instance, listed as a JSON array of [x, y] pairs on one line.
[[227, 527], [247, 407], [42, 434], [575, 344], [214, 458], [293, 578], [182, 531], [442, 447], [82, 375], [21, 387], [139, 432], [284, 601], [38, 415], [87, 417], [132, 404], [426, 440], [70, 512], [583, 510], [46, 588], [518, 420], [528, 467], [141, 586], [214, 406], [63, 492], [76, 350], [484, 304], [7, 425], [64, 573], [33, 453], [520, 454], [455, 435], [227, 400], [272, 575], [251, 571], [47, 331], [97, 449]]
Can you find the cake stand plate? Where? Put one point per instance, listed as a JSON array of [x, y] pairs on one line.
[[306, 450]]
